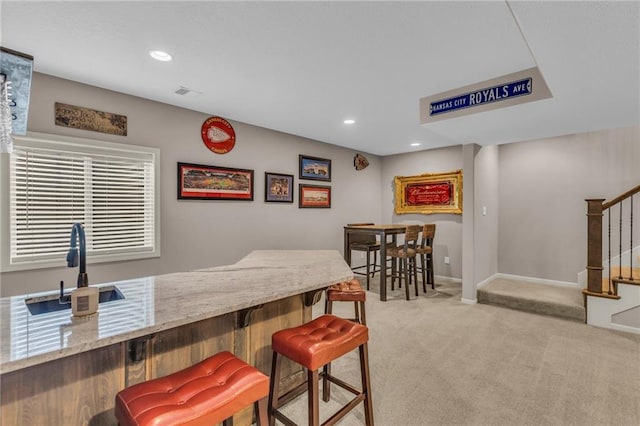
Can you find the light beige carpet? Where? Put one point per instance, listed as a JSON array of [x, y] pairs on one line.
[[437, 361]]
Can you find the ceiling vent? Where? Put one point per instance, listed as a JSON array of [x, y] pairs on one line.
[[185, 91]]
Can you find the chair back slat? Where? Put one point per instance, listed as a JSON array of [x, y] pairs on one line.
[[411, 234], [356, 238], [428, 234]]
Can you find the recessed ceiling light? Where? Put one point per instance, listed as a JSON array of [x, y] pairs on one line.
[[349, 121], [160, 55], [416, 144]]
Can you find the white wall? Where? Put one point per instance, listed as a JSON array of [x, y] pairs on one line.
[[448, 240], [198, 234], [543, 185]]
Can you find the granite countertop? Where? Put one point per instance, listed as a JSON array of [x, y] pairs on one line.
[[157, 303]]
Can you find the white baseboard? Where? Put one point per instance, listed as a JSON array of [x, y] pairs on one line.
[[626, 328], [487, 281], [537, 280], [469, 301], [448, 279]]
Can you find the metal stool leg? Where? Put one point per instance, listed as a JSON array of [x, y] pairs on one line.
[[366, 384], [431, 271], [274, 387], [406, 276]]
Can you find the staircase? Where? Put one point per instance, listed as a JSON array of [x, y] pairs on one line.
[[614, 301]]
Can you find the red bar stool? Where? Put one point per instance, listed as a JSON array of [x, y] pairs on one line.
[[313, 345], [206, 393], [347, 291]]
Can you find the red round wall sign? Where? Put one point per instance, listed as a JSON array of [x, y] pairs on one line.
[[218, 135]]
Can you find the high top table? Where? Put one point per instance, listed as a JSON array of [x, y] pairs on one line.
[[382, 231]]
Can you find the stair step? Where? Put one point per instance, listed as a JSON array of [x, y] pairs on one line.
[[626, 272], [563, 302], [634, 281], [606, 285]]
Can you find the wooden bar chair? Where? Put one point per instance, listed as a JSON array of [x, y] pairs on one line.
[[406, 255], [367, 244], [425, 250]]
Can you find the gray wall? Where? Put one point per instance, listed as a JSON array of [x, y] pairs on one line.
[[197, 234], [448, 240], [486, 225], [534, 192], [543, 185]]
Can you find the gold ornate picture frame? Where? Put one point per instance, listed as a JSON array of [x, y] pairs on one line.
[[429, 193]]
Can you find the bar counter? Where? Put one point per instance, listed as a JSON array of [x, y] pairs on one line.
[[163, 324]]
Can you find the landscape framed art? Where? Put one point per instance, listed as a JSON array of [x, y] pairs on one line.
[[202, 182], [314, 196], [314, 168]]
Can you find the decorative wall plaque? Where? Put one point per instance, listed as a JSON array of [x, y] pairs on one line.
[[90, 119], [218, 135], [360, 162]]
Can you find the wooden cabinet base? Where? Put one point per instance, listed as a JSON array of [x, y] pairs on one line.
[[80, 389]]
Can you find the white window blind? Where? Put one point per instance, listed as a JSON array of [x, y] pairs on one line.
[[109, 188]]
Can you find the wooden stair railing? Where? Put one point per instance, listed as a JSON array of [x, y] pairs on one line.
[[595, 213]]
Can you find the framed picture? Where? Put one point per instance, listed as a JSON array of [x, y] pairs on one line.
[[314, 196], [314, 168], [278, 188], [200, 182], [429, 193]]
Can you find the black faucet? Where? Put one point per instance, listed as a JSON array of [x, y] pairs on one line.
[[77, 232]]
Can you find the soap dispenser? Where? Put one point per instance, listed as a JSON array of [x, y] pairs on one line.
[[84, 301]]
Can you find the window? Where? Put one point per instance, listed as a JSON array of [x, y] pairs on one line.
[[51, 182]]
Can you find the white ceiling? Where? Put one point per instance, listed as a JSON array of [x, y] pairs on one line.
[[303, 67]]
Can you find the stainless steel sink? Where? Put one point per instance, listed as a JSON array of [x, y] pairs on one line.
[[53, 302]]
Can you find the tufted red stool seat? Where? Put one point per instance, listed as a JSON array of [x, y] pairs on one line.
[[206, 393], [314, 345]]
